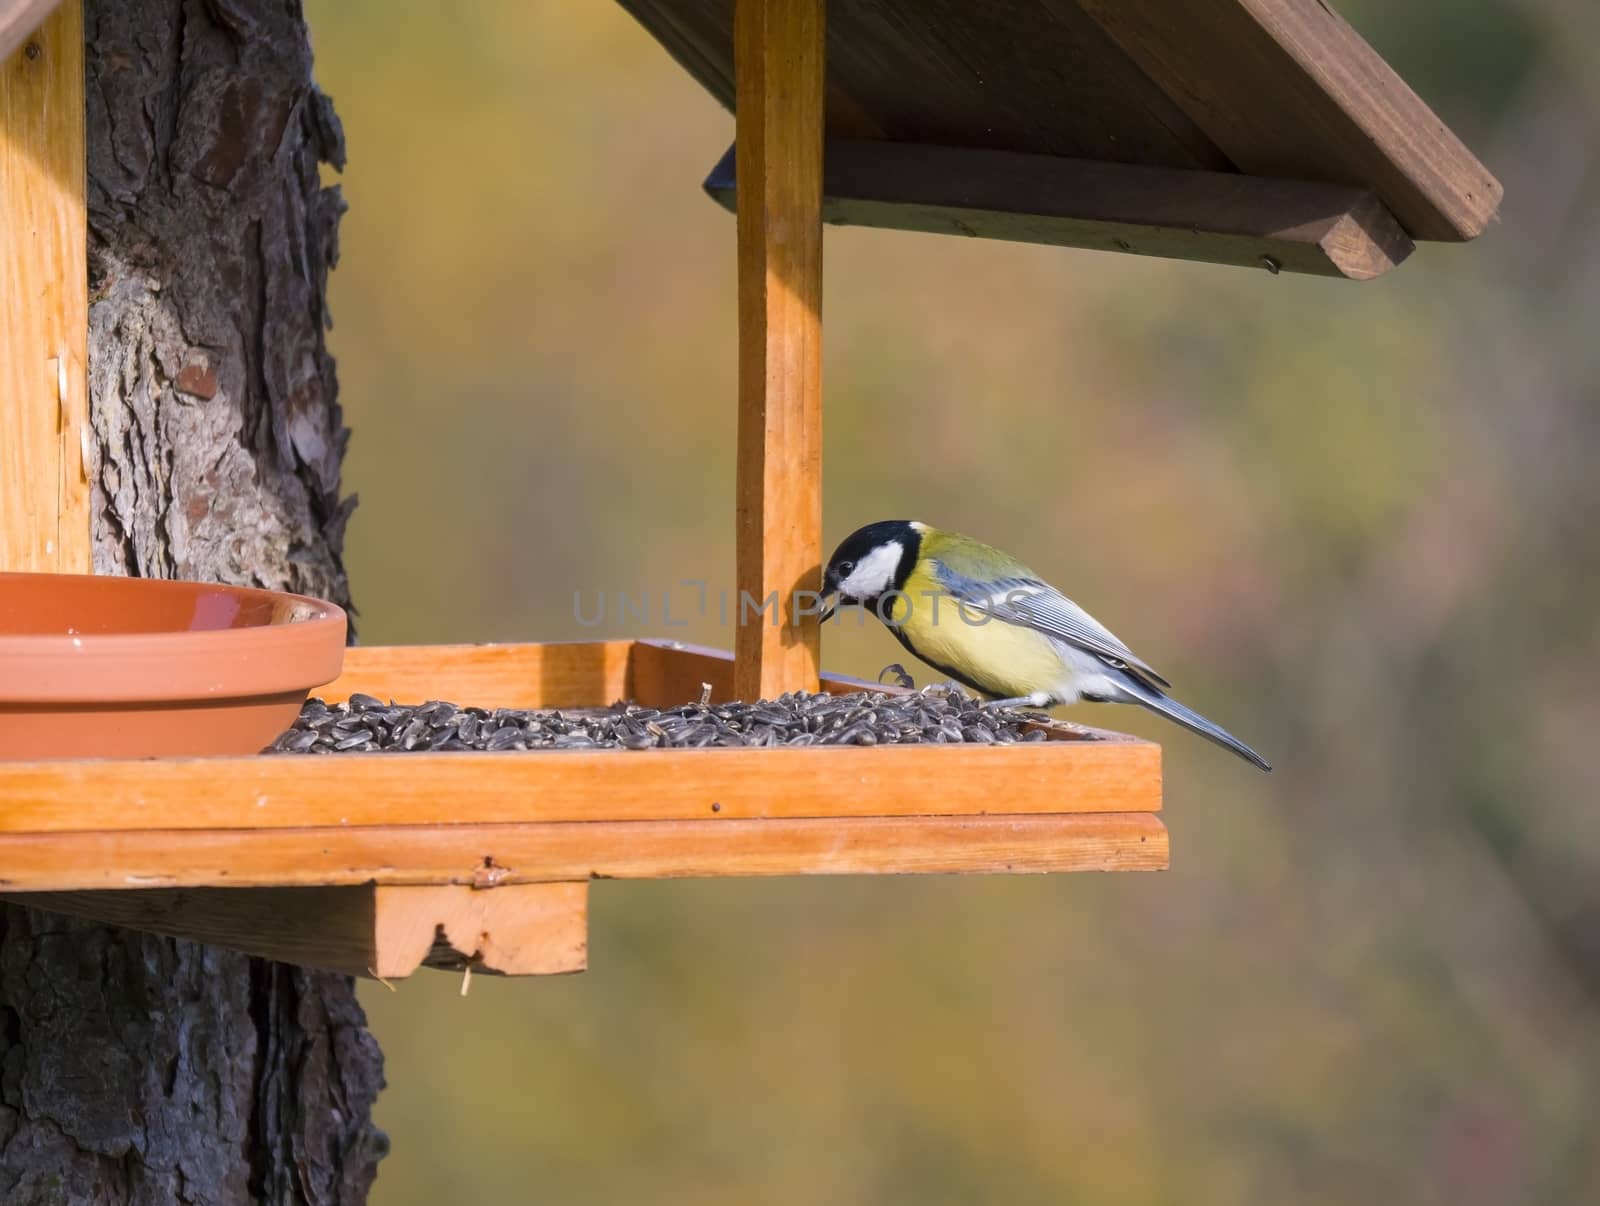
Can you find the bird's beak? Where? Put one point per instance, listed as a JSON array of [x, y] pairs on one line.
[[829, 598]]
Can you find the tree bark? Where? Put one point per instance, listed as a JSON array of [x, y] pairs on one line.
[[136, 1069]]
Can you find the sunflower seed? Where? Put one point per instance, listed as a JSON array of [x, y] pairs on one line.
[[937, 715]]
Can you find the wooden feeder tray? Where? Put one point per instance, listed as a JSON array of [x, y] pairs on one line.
[[380, 863]]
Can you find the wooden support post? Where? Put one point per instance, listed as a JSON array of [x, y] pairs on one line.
[[779, 70], [44, 310]]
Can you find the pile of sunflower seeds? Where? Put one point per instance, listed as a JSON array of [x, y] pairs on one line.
[[933, 716]]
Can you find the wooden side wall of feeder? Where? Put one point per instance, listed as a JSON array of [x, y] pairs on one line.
[[44, 315], [779, 68]]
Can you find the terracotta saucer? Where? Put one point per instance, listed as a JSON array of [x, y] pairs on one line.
[[105, 667]]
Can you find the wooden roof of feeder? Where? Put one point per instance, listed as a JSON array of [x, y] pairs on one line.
[[1239, 131], [1252, 132]]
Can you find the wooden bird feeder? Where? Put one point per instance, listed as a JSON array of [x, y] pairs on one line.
[[1250, 132]]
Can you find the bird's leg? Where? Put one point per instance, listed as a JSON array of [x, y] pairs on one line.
[[1039, 699]]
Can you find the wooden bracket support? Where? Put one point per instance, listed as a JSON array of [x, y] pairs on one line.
[[384, 931], [1184, 214], [779, 67]]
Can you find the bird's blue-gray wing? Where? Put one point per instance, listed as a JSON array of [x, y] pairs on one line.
[[1034, 604]]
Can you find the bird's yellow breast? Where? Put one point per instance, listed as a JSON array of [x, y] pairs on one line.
[[1000, 659]]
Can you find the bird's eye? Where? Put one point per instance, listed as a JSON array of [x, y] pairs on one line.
[[846, 568]]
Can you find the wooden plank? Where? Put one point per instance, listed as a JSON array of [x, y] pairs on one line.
[[323, 927], [386, 931], [1215, 217], [579, 674], [288, 790], [1029, 75], [778, 59], [523, 853], [18, 19], [668, 673], [1287, 88], [44, 283]]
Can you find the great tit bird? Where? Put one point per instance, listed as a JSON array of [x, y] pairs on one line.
[[991, 623]]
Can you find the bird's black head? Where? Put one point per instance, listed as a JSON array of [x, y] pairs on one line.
[[873, 560]]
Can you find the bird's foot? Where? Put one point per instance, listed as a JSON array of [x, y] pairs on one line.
[[898, 672]]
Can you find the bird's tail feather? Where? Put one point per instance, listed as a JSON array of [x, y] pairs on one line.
[[1165, 705]]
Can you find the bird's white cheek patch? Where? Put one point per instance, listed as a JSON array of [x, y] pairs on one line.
[[875, 572]]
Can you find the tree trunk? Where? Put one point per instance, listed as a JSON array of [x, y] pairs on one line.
[[136, 1069]]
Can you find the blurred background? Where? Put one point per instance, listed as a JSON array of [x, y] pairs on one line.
[[1355, 523]]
